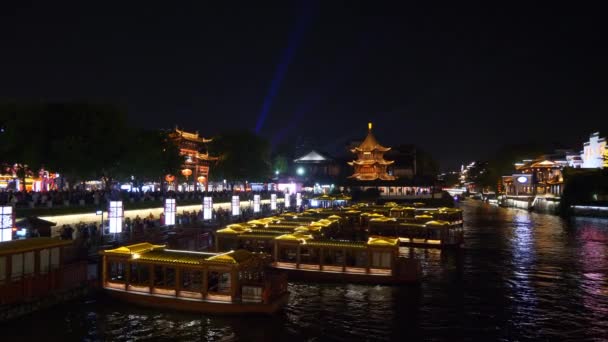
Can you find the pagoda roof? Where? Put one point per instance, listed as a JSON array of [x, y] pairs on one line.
[[371, 162], [312, 157], [191, 136], [370, 144], [372, 176]]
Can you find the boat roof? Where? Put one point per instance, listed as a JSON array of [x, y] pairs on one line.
[[158, 253], [25, 245]]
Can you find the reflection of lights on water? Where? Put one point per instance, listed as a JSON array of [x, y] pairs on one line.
[[523, 257], [594, 262]]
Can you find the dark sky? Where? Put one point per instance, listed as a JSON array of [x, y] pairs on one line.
[[457, 81]]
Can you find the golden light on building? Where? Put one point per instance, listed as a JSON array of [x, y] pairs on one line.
[[201, 179], [370, 164], [169, 178], [193, 148]]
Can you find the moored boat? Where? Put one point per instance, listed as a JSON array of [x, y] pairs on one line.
[[235, 282], [376, 261]]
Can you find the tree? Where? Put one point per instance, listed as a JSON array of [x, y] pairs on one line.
[[425, 164], [243, 156], [81, 140], [502, 162], [149, 156], [280, 164]]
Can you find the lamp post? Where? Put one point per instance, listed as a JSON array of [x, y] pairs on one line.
[[98, 213]]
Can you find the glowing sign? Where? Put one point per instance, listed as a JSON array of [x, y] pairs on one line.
[[207, 208], [170, 209], [115, 214], [298, 199], [256, 203], [236, 206], [6, 223], [287, 200], [522, 179], [273, 202]]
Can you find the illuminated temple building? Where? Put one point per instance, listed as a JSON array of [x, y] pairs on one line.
[[370, 164], [194, 150]]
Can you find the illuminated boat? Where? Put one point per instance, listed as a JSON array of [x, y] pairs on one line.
[[236, 282], [376, 261], [307, 253], [425, 227]]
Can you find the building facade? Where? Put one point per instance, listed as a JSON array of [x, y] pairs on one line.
[[594, 154]]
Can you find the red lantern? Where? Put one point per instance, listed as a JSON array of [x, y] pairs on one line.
[[187, 173], [169, 178], [201, 179]]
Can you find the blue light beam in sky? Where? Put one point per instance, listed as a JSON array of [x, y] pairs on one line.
[[328, 87], [295, 38]]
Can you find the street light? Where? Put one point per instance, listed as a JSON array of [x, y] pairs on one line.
[[300, 171], [100, 212]]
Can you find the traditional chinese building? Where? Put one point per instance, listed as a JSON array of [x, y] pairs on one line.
[[370, 164], [594, 154], [196, 157]]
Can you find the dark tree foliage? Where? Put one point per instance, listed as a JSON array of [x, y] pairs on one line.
[[502, 162], [243, 156], [584, 187], [82, 141], [149, 156]]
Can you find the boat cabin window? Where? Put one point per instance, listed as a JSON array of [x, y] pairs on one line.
[[2, 269], [28, 263], [159, 276], [192, 280], [164, 276], [16, 266], [170, 277], [356, 258], [45, 261], [140, 274], [310, 255], [219, 282], [333, 257], [252, 293], [288, 253], [54, 258], [381, 259], [117, 270]]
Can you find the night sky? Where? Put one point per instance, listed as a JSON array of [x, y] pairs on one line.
[[458, 81]]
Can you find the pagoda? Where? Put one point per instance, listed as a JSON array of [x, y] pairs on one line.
[[370, 164], [193, 148]]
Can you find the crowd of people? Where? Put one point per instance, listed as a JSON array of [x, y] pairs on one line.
[[55, 198], [93, 234]]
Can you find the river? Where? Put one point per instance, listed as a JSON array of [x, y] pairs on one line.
[[520, 276]]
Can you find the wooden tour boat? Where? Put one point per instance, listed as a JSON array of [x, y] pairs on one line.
[[235, 282], [376, 261]]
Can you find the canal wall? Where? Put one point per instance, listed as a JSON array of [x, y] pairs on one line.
[[588, 210], [12, 311], [548, 205], [517, 203], [540, 204]]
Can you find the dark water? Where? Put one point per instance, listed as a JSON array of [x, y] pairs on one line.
[[521, 276]]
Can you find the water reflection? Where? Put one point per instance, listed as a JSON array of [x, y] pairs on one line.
[[520, 276]]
